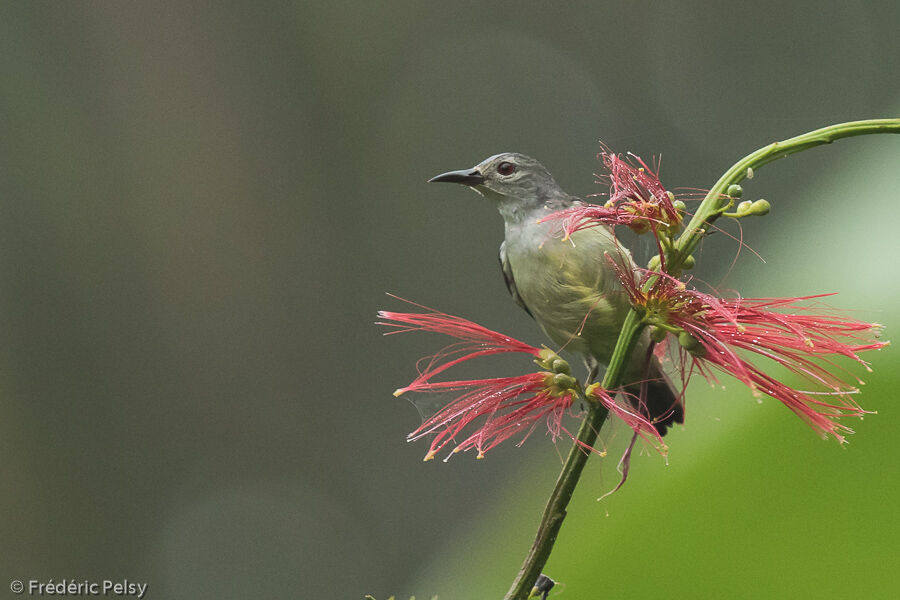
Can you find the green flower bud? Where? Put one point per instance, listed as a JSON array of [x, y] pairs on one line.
[[545, 358], [744, 207], [690, 343], [688, 263], [760, 207], [563, 381], [735, 191], [658, 334], [561, 366], [674, 227]]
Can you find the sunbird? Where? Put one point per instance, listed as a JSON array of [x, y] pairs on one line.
[[568, 285]]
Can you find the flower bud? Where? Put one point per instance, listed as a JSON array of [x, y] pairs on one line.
[[750, 209], [690, 343], [674, 227], [640, 227], [561, 366], [545, 358], [658, 334], [689, 262], [546, 354], [563, 381], [735, 191], [760, 207]]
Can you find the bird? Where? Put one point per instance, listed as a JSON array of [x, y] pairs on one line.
[[568, 285]]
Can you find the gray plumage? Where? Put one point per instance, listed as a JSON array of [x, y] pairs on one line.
[[568, 286]]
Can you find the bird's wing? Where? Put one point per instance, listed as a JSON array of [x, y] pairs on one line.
[[506, 268]]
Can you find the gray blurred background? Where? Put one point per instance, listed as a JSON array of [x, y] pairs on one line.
[[203, 204]]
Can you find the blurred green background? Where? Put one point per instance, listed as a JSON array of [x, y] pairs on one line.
[[202, 205]]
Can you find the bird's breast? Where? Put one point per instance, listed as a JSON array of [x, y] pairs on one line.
[[571, 287]]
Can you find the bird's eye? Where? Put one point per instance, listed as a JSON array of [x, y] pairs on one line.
[[506, 168]]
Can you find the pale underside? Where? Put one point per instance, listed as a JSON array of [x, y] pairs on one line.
[[569, 286]]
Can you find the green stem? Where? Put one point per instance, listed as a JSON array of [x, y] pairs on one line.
[[712, 208], [709, 210], [555, 510]]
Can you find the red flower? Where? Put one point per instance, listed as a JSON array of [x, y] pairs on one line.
[[638, 422], [503, 407], [717, 332], [476, 340], [636, 199], [509, 405]]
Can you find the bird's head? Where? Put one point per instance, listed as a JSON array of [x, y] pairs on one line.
[[515, 181]]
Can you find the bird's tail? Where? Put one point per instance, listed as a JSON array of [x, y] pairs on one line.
[[655, 397]]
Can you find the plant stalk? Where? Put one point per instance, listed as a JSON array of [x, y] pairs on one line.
[[712, 208], [555, 510]]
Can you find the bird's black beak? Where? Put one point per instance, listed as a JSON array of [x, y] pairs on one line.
[[465, 177]]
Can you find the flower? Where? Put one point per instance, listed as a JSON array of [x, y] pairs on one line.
[[509, 405], [497, 408], [636, 199], [719, 332], [476, 340], [638, 422]]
